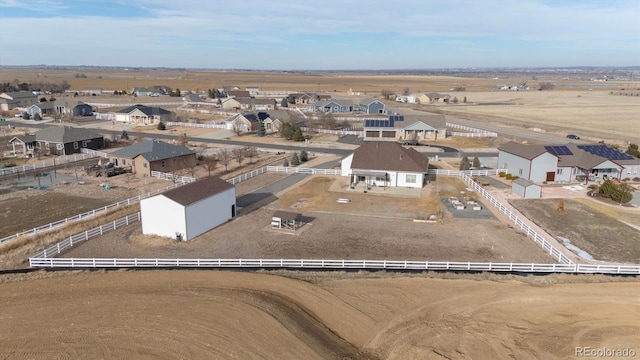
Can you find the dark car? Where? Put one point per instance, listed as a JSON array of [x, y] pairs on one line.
[[573, 136]]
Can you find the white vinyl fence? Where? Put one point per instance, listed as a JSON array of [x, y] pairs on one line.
[[247, 176], [171, 177], [519, 223], [94, 153], [47, 163], [484, 172], [334, 132], [195, 125], [303, 170], [472, 132], [321, 264]]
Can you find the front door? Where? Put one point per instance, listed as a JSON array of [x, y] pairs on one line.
[[551, 176]]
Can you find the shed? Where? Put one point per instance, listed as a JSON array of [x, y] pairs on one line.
[[189, 210], [526, 188], [286, 220]]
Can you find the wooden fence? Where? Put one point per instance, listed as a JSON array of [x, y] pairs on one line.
[[334, 264], [539, 239]]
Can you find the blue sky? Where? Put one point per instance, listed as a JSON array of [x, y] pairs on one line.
[[322, 35]]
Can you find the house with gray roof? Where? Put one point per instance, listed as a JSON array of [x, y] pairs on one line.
[[190, 210], [371, 106], [17, 99], [46, 108], [142, 114], [386, 164], [23, 145], [569, 162], [66, 140], [153, 155], [414, 128], [334, 106]]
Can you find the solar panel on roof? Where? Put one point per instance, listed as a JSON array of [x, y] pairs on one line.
[[606, 152], [558, 150]]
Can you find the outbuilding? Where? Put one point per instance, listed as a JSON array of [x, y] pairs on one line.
[[189, 210], [526, 188], [286, 219]]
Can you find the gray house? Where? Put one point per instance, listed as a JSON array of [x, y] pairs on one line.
[[14, 99], [47, 108], [406, 128], [82, 109], [334, 106], [531, 162], [371, 106], [65, 140]]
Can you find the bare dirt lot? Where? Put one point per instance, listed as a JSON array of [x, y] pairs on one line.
[[216, 314], [602, 236], [369, 227]]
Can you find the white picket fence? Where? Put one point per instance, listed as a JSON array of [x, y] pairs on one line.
[[123, 105], [171, 177], [107, 116], [321, 264], [194, 125], [303, 170], [88, 214], [248, 175], [539, 239], [47, 163], [483, 172], [76, 239], [334, 132], [473, 132], [94, 153]]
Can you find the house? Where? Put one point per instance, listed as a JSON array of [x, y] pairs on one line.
[[526, 188], [47, 108], [153, 155], [253, 90], [66, 140], [82, 109], [370, 106], [238, 94], [230, 104], [386, 164], [226, 89], [433, 97], [142, 114], [143, 91], [334, 106], [405, 127], [17, 99], [23, 145], [564, 163], [190, 210], [239, 123]]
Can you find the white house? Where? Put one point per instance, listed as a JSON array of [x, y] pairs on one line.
[[386, 164], [189, 210]]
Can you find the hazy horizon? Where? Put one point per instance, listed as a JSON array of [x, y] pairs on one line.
[[329, 36]]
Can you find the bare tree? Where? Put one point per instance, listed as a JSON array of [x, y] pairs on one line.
[[239, 154], [183, 140], [224, 156], [190, 166], [237, 129], [328, 121], [251, 152], [209, 162], [406, 91], [387, 94]]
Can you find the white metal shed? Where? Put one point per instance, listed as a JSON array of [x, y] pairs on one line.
[[526, 188], [189, 210]]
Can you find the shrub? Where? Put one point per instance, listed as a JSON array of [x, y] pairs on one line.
[[304, 157], [286, 163], [515, 177], [502, 174], [509, 177], [162, 126], [636, 179], [295, 160], [618, 193], [124, 135]]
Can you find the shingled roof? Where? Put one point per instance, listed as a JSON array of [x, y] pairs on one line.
[[198, 190], [390, 156], [147, 110], [152, 150], [65, 134], [523, 150]]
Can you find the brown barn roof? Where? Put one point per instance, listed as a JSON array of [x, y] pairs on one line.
[[388, 156], [523, 150], [198, 190]]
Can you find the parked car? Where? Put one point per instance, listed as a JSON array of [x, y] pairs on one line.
[[573, 136]]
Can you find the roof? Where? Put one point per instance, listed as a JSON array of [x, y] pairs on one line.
[[287, 215], [198, 190], [529, 152], [193, 97], [389, 156], [24, 138], [45, 105], [435, 95], [369, 101], [338, 102], [523, 182], [147, 110], [152, 150], [436, 121], [65, 134], [238, 93], [19, 94]]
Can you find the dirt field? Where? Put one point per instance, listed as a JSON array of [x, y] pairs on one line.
[[602, 236], [370, 227], [216, 314]]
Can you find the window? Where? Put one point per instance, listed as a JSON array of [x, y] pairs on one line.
[[85, 143], [75, 145], [59, 146], [519, 171], [379, 179], [124, 162], [163, 163], [559, 172], [144, 165], [410, 179]]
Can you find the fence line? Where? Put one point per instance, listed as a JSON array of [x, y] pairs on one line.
[[474, 131], [171, 177], [246, 176], [94, 153], [333, 132], [47, 163], [121, 105], [539, 239], [484, 172], [336, 264], [76, 239], [195, 125]]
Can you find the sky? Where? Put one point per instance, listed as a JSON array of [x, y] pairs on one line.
[[321, 35]]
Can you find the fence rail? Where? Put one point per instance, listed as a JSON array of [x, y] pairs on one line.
[[334, 132], [303, 170], [94, 153], [246, 176], [171, 177], [195, 125], [484, 172], [331, 264], [539, 239], [473, 132], [47, 163]]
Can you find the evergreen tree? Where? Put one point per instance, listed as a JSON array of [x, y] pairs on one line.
[[304, 157], [286, 163], [464, 164], [297, 134], [162, 126], [295, 160], [124, 135], [261, 130], [476, 162]]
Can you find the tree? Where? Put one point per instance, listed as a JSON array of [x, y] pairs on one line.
[[183, 139], [238, 154], [304, 157], [209, 162], [406, 91], [619, 193], [261, 129], [162, 126], [464, 100], [387, 94], [285, 163], [546, 86], [295, 161], [36, 117], [476, 162], [251, 152], [633, 150], [455, 100], [286, 131], [26, 116], [43, 99], [124, 135], [328, 121], [237, 128], [224, 156], [297, 134], [464, 164], [284, 102]]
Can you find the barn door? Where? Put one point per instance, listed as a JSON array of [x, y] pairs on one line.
[[551, 176]]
